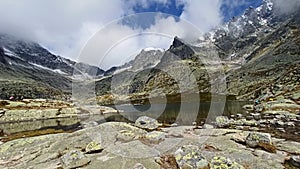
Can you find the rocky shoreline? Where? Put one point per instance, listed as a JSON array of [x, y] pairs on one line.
[[234, 142], [39, 109]]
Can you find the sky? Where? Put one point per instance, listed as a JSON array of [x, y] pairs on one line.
[[118, 29]]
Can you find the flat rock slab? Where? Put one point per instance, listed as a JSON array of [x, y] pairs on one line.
[[50, 150]]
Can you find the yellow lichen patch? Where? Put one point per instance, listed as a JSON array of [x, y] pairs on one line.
[[93, 147]]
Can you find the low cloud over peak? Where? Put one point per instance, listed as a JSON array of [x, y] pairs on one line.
[[65, 27]]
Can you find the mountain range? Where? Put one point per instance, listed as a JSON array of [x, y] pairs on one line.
[[251, 54]]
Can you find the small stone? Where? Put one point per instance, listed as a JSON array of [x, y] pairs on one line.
[[145, 122], [223, 162], [174, 125], [280, 123], [280, 116], [254, 128], [248, 107], [256, 115], [263, 121], [89, 124], [222, 121], [290, 123], [239, 115], [272, 121], [249, 117], [208, 126], [93, 147], [239, 127], [74, 159], [295, 161]]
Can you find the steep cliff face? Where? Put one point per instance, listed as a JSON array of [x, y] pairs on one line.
[[2, 56]]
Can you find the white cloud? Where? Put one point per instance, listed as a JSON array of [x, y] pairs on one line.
[[204, 14], [57, 24], [65, 26], [286, 6], [115, 43]]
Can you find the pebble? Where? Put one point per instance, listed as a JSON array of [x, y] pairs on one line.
[[280, 123], [208, 126], [290, 123]]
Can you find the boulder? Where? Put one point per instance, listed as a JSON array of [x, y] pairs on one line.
[[253, 139], [263, 140], [147, 123], [208, 126]]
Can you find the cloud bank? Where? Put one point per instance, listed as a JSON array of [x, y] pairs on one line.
[[64, 27], [286, 6]]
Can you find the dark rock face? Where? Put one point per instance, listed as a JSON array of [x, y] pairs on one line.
[[2, 59], [110, 71], [180, 49]]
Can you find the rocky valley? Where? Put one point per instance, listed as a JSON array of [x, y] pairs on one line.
[[230, 99]]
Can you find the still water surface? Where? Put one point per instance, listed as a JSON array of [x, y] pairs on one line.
[[181, 114]]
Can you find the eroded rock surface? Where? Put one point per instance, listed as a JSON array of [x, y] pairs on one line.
[[191, 147]]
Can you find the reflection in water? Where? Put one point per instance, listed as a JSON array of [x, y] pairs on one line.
[[171, 114], [167, 114], [16, 130]]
